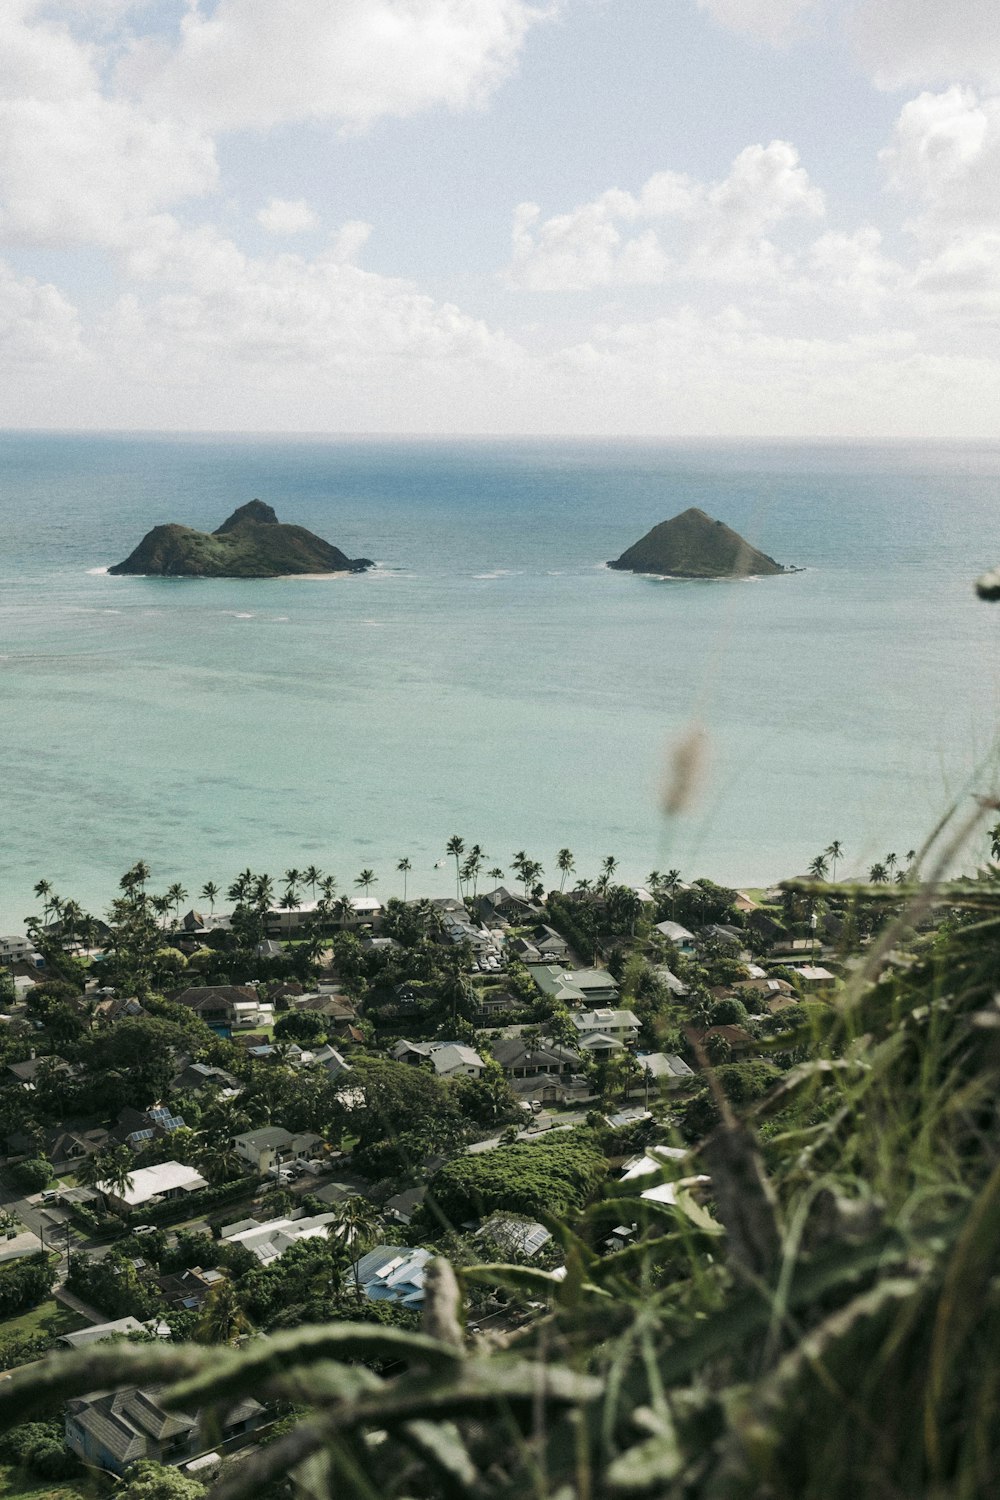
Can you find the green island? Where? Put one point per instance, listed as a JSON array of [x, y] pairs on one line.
[[682, 1190], [693, 545], [251, 543]]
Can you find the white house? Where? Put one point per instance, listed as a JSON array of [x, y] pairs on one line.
[[270, 1240], [451, 1059], [167, 1179], [682, 939]]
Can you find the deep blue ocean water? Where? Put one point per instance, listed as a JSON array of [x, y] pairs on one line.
[[491, 678]]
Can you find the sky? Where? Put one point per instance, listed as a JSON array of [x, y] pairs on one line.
[[676, 218]]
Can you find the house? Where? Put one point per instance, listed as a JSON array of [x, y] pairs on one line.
[[596, 1044], [217, 1003], [119, 1328], [61, 1144], [739, 1039], [394, 1273], [25, 1072], [572, 987], [448, 1059], [268, 1241], [112, 1429], [135, 1127], [518, 1059], [671, 982], [495, 1004], [117, 1008], [621, 1025], [682, 939], [502, 905], [814, 977], [453, 1060], [333, 1062], [272, 1145], [666, 1068], [17, 949], [198, 1076], [168, 1179], [511, 1234], [190, 1289], [404, 1205], [731, 939]]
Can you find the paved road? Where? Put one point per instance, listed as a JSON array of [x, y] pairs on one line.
[[540, 1125]]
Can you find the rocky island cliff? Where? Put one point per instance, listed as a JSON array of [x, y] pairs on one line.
[[693, 545], [252, 543]]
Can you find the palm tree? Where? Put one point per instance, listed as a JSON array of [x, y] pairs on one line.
[[176, 894], [498, 872], [292, 877], [891, 861], [291, 900], [565, 866], [818, 867], [43, 890], [311, 878], [531, 870], [835, 851], [456, 847], [878, 875], [208, 892], [366, 880], [112, 1170], [357, 1223], [608, 867], [404, 867], [160, 905], [343, 909], [328, 886], [222, 1319]]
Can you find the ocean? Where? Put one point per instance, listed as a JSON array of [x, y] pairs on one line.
[[491, 678]]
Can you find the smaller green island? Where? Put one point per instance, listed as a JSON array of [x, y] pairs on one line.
[[252, 543], [693, 545]]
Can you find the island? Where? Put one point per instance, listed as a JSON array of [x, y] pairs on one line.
[[693, 545], [252, 543]]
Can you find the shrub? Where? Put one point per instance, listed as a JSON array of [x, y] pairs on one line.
[[33, 1175]]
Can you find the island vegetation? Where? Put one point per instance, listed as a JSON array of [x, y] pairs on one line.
[[251, 543]]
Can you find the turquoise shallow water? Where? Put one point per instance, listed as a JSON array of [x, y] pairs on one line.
[[491, 678]]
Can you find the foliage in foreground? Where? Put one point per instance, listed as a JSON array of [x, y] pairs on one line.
[[826, 1328]]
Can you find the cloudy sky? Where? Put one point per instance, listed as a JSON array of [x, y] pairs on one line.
[[663, 217]]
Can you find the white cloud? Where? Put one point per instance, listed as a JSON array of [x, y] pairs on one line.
[[914, 42], [75, 165], [353, 62], [945, 156], [714, 231], [37, 323], [287, 216]]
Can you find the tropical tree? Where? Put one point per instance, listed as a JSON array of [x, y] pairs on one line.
[[311, 876], [209, 892], [609, 865], [818, 867], [498, 872], [111, 1168], [222, 1319], [835, 852], [456, 848], [176, 894], [878, 875], [366, 880], [43, 890], [891, 861], [404, 867], [343, 909], [357, 1223], [565, 865]]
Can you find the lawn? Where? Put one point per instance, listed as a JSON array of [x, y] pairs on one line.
[[48, 1317]]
